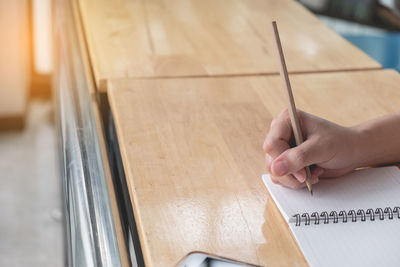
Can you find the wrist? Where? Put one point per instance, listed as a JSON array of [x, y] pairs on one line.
[[363, 140]]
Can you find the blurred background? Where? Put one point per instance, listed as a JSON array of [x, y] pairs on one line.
[[31, 229], [372, 25], [31, 224]]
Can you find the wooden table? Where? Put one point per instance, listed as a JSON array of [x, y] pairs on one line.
[[160, 38], [193, 158], [193, 87]]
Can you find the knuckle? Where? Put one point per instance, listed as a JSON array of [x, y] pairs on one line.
[[273, 123], [300, 155], [268, 146], [285, 113], [283, 116]]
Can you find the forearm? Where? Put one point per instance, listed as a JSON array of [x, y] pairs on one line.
[[378, 141]]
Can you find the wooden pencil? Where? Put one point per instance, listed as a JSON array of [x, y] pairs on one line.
[[292, 106]]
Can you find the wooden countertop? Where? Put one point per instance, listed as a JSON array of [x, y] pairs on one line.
[[193, 158], [160, 38]]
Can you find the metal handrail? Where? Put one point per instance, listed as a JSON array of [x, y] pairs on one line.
[[90, 229]]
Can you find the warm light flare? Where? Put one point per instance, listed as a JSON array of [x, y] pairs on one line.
[[14, 57], [42, 41]]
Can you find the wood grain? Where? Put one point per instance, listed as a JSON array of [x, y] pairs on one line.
[[161, 38], [192, 153]]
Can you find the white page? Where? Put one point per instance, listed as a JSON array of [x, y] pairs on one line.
[[369, 243], [363, 189]]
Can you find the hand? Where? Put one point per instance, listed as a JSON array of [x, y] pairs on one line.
[[330, 148]]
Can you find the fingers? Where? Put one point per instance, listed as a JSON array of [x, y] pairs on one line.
[[288, 181], [291, 182], [285, 164], [300, 175], [295, 159], [317, 171], [279, 135]]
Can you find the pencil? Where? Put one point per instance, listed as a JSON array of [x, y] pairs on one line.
[[292, 106]]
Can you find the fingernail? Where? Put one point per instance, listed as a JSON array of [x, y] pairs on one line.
[[281, 168], [314, 180], [301, 178]]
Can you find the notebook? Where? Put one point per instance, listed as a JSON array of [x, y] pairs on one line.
[[349, 221]]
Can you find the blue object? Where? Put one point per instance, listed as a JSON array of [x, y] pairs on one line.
[[383, 48]]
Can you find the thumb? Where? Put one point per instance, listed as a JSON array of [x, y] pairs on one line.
[[296, 158]]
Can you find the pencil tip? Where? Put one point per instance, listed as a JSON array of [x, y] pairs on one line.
[[311, 192]]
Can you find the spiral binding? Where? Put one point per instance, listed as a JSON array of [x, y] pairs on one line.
[[345, 216]]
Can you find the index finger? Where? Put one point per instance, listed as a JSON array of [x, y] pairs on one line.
[[279, 135]]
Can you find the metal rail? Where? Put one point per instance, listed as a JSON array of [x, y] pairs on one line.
[[90, 230]]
